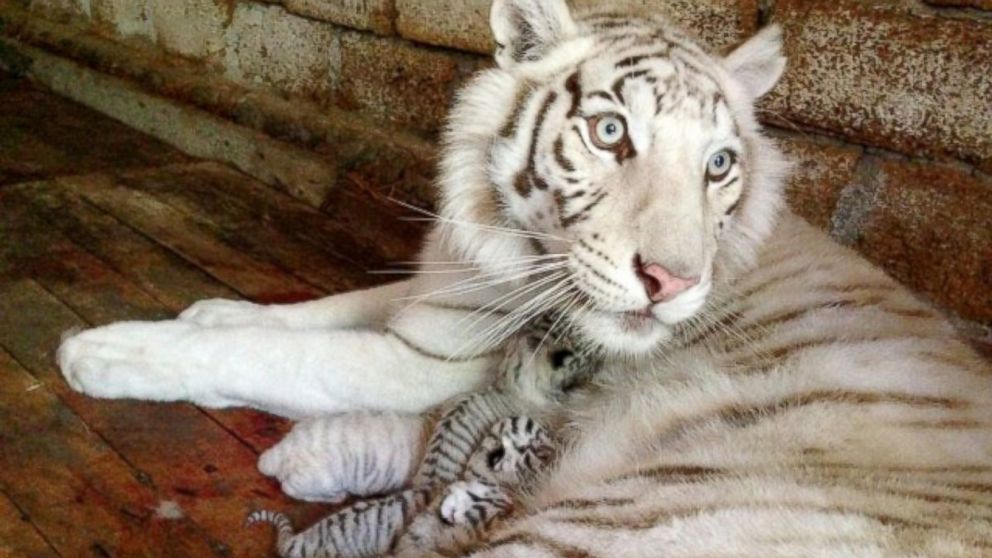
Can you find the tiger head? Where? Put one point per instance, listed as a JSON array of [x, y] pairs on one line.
[[621, 147]]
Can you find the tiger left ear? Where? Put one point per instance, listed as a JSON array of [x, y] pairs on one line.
[[758, 63], [527, 29]]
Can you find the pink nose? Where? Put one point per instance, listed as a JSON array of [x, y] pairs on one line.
[[661, 284]]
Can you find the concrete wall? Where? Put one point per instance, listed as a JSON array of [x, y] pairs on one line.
[[887, 104]]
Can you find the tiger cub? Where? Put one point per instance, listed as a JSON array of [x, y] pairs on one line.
[[513, 452], [366, 453], [481, 446]]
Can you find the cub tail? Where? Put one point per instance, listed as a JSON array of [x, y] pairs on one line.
[[284, 528]]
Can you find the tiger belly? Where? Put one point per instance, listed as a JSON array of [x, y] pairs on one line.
[[818, 409]]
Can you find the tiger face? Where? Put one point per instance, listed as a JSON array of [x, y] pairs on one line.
[[622, 148]]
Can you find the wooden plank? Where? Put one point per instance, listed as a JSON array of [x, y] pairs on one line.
[[81, 495], [244, 222], [172, 281], [199, 464], [166, 276], [19, 538], [355, 227], [258, 279], [191, 460]]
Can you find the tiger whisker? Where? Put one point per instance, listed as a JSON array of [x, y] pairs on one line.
[[513, 321], [507, 298], [472, 284], [431, 216], [563, 312]]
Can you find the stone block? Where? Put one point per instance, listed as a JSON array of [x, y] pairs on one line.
[[461, 24], [61, 9], [888, 75], [270, 46], [464, 24], [931, 228], [372, 15], [399, 82], [191, 28], [124, 18], [821, 171]]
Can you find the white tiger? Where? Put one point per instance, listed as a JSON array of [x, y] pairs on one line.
[[769, 394]]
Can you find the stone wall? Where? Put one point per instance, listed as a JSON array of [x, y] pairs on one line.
[[887, 104]]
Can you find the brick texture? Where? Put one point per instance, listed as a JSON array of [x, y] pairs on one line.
[[398, 82], [191, 28], [61, 8], [126, 18], [980, 4], [372, 15], [882, 74], [931, 228], [268, 45], [821, 171], [461, 24], [718, 23], [464, 24]]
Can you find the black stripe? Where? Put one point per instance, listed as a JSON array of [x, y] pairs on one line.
[[523, 183], [435, 356]]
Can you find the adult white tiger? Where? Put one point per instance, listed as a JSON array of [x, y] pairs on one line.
[[772, 394]]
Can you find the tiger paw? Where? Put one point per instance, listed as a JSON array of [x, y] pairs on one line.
[[128, 359], [474, 503]]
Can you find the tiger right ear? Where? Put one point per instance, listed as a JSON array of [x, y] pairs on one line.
[[758, 63], [527, 29]]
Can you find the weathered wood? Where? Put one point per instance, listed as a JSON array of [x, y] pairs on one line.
[[19, 538], [244, 222], [258, 279], [172, 281], [206, 470], [167, 277], [84, 498], [144, 244], [175, 447]]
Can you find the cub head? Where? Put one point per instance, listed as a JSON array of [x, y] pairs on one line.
[[619, 154]]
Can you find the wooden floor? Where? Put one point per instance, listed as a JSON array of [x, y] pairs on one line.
[[99, 223]]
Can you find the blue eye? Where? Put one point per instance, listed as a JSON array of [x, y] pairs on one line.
[[719, 165], [607, 131]]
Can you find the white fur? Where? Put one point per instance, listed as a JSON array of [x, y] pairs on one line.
[[330, 458], [853, 423]]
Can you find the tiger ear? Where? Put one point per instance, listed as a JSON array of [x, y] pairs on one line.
[[527, 29], [758, 63]]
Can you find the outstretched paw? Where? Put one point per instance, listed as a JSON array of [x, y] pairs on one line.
[[223, 312], [125, 360], [474, 503]]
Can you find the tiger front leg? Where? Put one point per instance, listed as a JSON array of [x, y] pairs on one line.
[[294, 373], [366, 308]]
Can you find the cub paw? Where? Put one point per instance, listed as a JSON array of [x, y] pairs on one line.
[[300, 477], [474, 503]]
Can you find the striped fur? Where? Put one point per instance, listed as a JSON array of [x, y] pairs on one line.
[[480, 448], [802, 404], [439, 512], [817, 409]]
